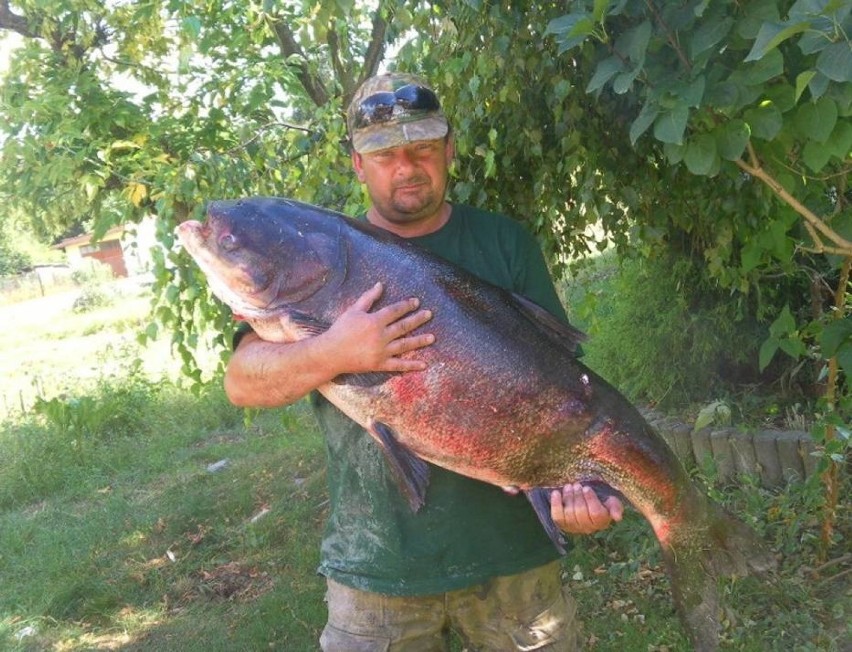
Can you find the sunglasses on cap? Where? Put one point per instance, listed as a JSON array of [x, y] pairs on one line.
[[379, 107]]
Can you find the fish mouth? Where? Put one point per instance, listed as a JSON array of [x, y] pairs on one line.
[[196, 238]]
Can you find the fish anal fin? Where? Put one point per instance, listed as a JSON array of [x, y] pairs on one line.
[[539, 498], [410, 472]]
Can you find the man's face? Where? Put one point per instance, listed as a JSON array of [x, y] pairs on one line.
[[407, 184]]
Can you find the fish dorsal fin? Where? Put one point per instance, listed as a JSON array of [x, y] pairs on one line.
[[559, 332]]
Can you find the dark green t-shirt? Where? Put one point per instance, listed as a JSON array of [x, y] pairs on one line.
[[469, 531]]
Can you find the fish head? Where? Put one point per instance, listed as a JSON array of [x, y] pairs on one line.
[[261, 255]]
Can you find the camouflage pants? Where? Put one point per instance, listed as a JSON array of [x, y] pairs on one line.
[[529, 611]]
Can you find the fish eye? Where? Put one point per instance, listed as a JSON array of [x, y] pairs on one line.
[[228, 242]]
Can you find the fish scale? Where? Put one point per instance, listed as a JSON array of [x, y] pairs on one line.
[[503, 399]]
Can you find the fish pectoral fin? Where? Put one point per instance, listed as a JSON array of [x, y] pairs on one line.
[[305, 322], [410, 472], [539, 498]]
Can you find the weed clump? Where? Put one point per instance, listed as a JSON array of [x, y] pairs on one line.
[[92, 298]]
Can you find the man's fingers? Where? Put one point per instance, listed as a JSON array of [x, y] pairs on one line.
[[368, 298], [393, 314], [403, 364], [411, 343], [402, 327], [615, 508], [578, 510]]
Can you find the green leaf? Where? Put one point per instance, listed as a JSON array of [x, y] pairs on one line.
[[723, 95], [835, 335], [771, 35], [644, 120], [835, 61], [815, 155], [571, 29], [818, 85], [750, 256], [844, 359], [840, 141], [802, 81], [701, 157], [634, 42], [764, 121], [623, 81], [565, 24], [709, 34], [669, 127], [731, 139], [674, 152], [784, 324], [691, 94], [816, 120], [792, 347], [599, 10], [717, 412], [192, 27], [151, 331], [605, 70], [767, 352], [172, 293], [769, 66]]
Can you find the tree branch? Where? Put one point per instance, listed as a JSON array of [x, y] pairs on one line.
[[831, 475], [670, 35], [375, 50], [14, 22], [290, 48], [262, 128], [812, 222], [344, 75]]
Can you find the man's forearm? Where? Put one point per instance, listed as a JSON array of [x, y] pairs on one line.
[[266, 374]]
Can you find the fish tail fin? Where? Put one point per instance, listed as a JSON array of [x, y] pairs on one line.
[[724, 546]]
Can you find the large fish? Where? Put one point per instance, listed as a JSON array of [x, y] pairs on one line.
[[503, 399]]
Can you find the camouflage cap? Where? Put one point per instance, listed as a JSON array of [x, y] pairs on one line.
[[394, 109]]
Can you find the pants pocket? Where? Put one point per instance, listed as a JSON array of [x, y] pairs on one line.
[[334, 639]]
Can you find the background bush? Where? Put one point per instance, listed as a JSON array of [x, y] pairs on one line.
[[663, 334]]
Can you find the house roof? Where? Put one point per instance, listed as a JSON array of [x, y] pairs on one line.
[[114, 233]]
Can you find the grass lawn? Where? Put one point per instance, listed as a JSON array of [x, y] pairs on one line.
[[136, 514]]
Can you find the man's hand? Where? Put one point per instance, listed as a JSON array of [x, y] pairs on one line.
[[376, 341], [578, 510]]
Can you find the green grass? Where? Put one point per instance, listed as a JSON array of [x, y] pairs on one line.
[[139, 541], [115, 535]]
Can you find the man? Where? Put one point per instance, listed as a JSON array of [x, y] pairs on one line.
[[475, 558]]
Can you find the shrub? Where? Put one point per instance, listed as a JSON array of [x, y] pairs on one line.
[[91, 298], [661, 333]]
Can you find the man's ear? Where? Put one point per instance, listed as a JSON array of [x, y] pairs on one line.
[[357, 164]]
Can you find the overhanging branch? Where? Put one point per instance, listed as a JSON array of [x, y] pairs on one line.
[[813, 223]]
